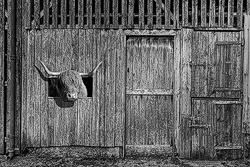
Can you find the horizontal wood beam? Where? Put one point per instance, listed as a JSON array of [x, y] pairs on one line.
[[150, 92]]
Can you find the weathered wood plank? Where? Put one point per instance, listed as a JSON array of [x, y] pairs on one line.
[[44, 91], [115, 14], [30, 99], [64, 14], [46, 13], [195, 13], [124, 13], [27, 13], [167, 13], [176, 14], [2, 67], [37, 88], [203, 13], [239, 13], [230, 12], [89, 13], [221, 13], [150, 92], [36, 14], [18, 75], [97, 14], [52, 108], [212, 14], [106, 14], [131, 14], [72, 14], [150, 15], [185, 13], [158, 13], [54, 14]]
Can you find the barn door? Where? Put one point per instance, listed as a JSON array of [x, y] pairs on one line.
[[149, 99], [216, 116]]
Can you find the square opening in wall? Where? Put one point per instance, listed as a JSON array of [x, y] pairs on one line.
[[52, 83]]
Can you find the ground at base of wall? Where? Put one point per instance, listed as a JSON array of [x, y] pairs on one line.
[[35, 161]]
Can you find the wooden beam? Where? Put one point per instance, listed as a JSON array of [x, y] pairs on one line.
[[150, 92]]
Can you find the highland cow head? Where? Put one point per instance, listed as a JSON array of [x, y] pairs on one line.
[[69, 84]]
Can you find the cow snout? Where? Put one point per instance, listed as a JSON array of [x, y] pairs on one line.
[[72, 96]]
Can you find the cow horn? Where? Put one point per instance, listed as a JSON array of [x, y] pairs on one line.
[[48, 71], [92, 72]]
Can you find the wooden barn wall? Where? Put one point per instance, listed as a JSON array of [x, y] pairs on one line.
[[96, 121]]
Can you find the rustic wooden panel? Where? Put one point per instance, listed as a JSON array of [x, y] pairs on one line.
[[149, 117], [141, 14], [176, 14], [115, 14], [195, 13], [2, 65], [131, 13], [64, 14]]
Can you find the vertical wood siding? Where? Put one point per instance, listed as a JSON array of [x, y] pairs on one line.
[[2, 67], [96, 121]]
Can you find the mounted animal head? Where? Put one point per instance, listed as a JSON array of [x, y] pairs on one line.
[[69, 84]]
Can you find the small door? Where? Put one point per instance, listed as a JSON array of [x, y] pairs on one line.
[[216, 116], [149, 94]]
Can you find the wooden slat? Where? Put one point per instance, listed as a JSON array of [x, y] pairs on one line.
[[167, 13], [27, 13], [101, 81], [120, 91], [221, 13], [110, 59], [141, 14], [115, 14], [98, 14], [72, 13], [150, 92], [54, 14], [36, 14], [158, 13], [37, 87], [124, 14], [195, 13], [150, 14], [52, 108], [239, 13], [176, 14], [230, 12], [89, 13], [226, 102], [106, 14], [44, 92], [185, 13], [131, 14], [203, 13], [2, 67], [63, 13], [212, 14]]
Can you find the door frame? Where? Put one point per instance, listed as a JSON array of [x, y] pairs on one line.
[[141, 33]]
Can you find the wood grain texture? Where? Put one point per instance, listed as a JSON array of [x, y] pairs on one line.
[[158, 13], [54, 14], [212, 14], [36, 14], [89, 13], [97, 14], [2, 67], [46, 13], [72, 14], [64, 14], [150, 15], [203, 13], [167, 13], [106, 14], [124, 13]]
